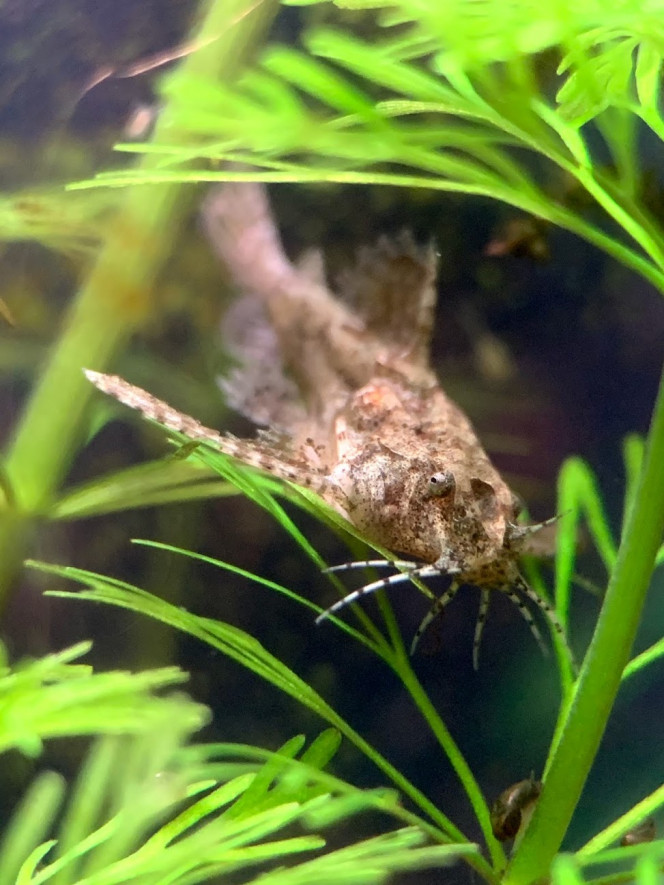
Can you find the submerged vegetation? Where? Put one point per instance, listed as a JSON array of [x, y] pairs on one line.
[[545, 107]]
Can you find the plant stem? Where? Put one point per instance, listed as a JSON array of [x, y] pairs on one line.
[[604, 839], [400, 662], [456, 760], [603, 666], [115, 299], [541, 207]]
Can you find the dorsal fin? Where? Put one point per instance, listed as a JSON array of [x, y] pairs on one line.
[[392, 290]]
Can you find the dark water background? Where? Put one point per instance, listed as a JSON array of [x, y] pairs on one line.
[[585, 336]]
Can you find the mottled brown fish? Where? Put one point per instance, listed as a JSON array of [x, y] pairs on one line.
[[354, 409]]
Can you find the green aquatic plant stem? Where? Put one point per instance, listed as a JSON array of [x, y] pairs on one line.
[[115, 299], [400, 661], [538, 205], [455, 758], [636, 815], [603, 666]]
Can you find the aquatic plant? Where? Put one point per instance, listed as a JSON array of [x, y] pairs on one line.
[[455, 96]]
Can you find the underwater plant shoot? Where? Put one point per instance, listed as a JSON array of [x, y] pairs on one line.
[[375, 491]]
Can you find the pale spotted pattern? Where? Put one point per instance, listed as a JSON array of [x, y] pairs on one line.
[[357, 414]]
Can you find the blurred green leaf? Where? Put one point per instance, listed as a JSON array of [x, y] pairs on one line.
[[578, 495], [648, 74], [247, 651], [72, 224], [52, 697], [166, 481], [174, 819], [472, 68]]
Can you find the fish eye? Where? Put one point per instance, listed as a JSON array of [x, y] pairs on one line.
[[442, 484]]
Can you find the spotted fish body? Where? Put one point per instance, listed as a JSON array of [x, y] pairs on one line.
[[355, 410]]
